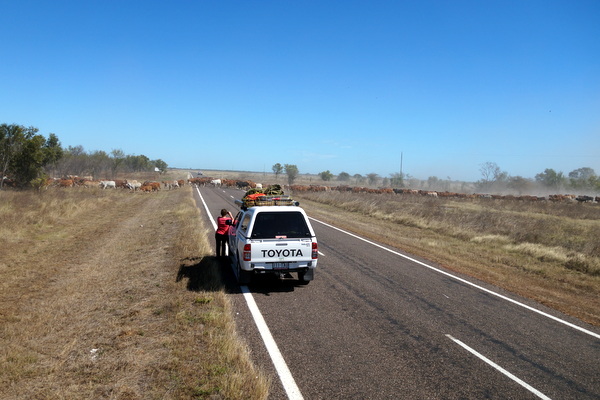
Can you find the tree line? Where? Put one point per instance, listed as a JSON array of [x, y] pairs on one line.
[[580, 179], [292, 172], [494, 179], [27, 158]]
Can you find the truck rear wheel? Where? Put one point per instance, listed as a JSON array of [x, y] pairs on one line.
[[304, 277], [243, 277]]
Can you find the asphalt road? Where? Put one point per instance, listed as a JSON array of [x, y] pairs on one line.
[[376, 325]]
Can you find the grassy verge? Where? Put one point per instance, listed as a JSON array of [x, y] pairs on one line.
[[112, 294], [545, 251]]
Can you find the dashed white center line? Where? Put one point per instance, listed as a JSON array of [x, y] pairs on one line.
[[499, 368]]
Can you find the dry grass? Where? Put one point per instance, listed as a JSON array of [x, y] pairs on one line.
[[116, 295], [545, 251]]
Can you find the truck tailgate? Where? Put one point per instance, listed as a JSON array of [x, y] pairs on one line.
[[281, 250]]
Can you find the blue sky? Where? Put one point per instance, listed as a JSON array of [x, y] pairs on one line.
[[349, 86]]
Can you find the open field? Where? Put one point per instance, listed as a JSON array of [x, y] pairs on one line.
[[115, 295]]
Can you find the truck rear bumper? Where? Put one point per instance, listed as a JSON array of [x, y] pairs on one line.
[[279, 266]]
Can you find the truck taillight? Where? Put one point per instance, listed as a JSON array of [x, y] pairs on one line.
[[315, 251], [248, 252]]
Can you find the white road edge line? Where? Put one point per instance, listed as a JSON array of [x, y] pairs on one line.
[[586, 331], [287, 380], [499, 368]]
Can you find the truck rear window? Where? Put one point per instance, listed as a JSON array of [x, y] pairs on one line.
[[288, 224]]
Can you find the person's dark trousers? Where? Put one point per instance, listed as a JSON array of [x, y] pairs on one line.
[[221, 243]]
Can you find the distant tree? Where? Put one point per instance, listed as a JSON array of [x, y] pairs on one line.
[[397, 180], [28, 164], [76, 150], [582, 173], [372, 178], [433, 182], [74, 162], [551, 179], [161, 165], [343, 176], [358, 178], [139, 163], [97, 162], [291, 171], [117, 153], [277, 170], [53, 151], [580, 178], [118, 159], [492, 174], [22, 153], [9, 140], [12, 140], [520, 185], [326, 175], [594, 183]]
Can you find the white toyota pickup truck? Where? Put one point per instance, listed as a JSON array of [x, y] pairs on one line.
[[273, 239]]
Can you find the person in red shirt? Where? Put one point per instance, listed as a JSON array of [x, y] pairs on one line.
[[222, 230]]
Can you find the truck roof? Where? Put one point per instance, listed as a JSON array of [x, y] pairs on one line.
[[254, 211]]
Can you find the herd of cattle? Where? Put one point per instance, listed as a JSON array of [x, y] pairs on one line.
[[446, 194], [133, 185], [148, 186], [244, 185]]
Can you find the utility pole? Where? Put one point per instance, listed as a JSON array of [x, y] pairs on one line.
[[401, 157]]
